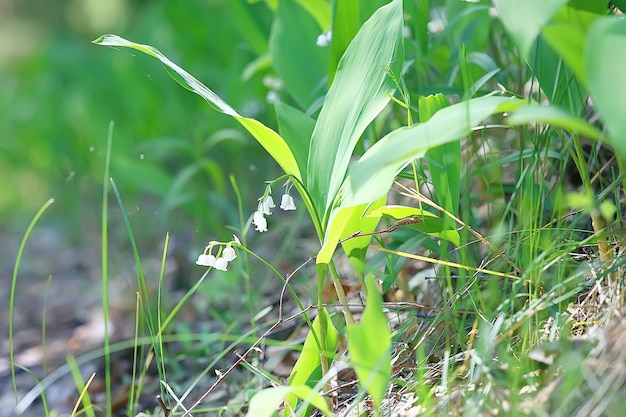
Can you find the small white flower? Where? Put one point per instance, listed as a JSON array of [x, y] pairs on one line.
[[324, 39], [286, 203], [259, 221], [229, 254], [221, 264], [206, 260], [272, 97], [268, 205]]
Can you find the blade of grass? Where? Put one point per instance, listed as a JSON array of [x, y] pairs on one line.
[[18, 259], [82, 388], [105, 272]]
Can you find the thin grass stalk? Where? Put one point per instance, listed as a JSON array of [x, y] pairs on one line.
[[18, 259], [105, 274]]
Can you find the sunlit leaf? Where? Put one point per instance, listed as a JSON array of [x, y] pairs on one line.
[[422, 221], [373, 175], [607, 78], [369, 345], [307, 370], [266, 402], [523, 20], [359, 92], [270, 140], [555, 117]]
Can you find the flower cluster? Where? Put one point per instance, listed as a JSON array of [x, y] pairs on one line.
[[225, 254], [266, 204], [324, 39]]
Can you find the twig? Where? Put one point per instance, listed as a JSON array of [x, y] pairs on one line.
[[252, 348], [166, 411]]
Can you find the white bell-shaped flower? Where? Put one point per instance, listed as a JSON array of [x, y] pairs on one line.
[[268, 205], [221, 264], [324, 39], [286, 203], [206, 260], [229, 253], [259, 221]]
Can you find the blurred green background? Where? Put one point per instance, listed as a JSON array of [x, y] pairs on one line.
[[172, 154]]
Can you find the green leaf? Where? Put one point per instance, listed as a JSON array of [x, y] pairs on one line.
[[567, 34], [347, 17], [523, 20], [295, 128], [569, 41], [606, 64], [265, 402], [429, 223], [320, 10], [341, 225], [300, 63], [359, 92], [555, 117], [270, 140], [372, 176], [356, 248], [307, 370], [445, 172], [369, 345]]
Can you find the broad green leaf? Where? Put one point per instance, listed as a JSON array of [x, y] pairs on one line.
[[345, 25], [299, 62], [266, 402], [428, 223], [307, 370], [356, 248], [248, 25], [567, 34], [580, 13], [270, 140], [372, 176], [338, 229], [347, 17], [523, 20], [359, 92], [369, 345], [296, 128], [445, 172], [555, 117], [568, 41], [556, 80], [606, 71], [320, 10]]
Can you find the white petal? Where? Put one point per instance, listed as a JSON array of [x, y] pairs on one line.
[[323, 40], [287, 203], [268, 204], [221, 264], [206, 260], [229, 253], [259, 221]]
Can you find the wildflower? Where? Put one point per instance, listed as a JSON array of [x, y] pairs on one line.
[[324, 39], [287, 203], [272, 97], [259, 221], [221, 264], [206, 260], [268, 204], [228, 253]]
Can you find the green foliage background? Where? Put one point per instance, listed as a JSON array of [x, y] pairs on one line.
[[170, 153]]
